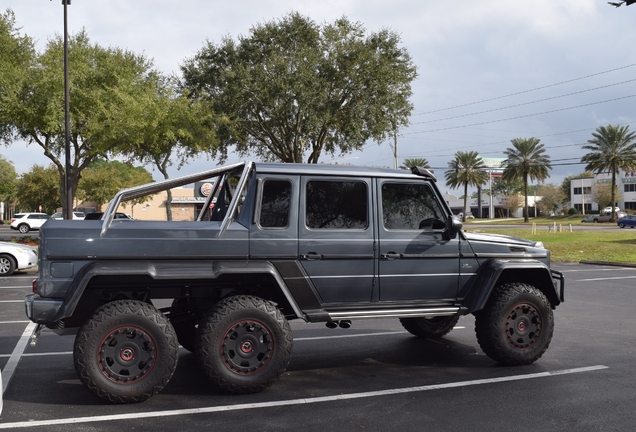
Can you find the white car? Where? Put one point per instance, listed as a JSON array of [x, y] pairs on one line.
[[76, 216], [608, 209], [15, 256], [25, 222]]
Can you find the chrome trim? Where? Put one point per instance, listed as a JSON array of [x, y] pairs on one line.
[[395, 313]]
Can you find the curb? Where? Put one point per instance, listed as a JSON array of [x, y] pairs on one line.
[[609, 263]]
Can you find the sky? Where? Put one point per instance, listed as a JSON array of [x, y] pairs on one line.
[[488, 71]]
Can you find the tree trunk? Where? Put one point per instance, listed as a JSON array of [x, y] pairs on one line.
[[465, 197], [526, 215]]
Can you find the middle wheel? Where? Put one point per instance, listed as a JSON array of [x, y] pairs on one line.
[[244, 344]]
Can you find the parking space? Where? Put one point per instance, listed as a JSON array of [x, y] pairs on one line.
[[373, 376]]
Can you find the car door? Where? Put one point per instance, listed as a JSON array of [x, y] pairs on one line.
[[415, 261], [336, 237]]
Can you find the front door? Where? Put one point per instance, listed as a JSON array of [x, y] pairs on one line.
[[415, 261]]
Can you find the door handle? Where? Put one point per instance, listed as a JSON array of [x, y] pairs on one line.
[[391, 255], [311, 256]]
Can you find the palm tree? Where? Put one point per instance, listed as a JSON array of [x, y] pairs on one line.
[[526, 159], [467, 168], [413, 162], [611, 148]]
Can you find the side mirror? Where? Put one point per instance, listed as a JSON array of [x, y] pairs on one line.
[[453, 226]]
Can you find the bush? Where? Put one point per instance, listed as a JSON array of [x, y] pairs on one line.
[[573, 211]]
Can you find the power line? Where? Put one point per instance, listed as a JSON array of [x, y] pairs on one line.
[[526, 91], [525, 103], [522, 116]]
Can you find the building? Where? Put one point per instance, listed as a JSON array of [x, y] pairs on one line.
[[581, 191]]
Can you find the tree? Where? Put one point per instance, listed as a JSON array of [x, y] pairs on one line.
[[511, 202], [611, 148], [293, 89], [604, 196], [413, 162], [98, 77], [467, 168], [39, 187], [552, 198], [17, 54], [8, 181], [103, 179], [526, 160], [170, 127]]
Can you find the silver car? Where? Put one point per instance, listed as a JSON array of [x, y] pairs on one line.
[[15, 256]]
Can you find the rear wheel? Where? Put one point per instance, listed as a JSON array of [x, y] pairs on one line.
[[516, 326], [244, 344], [7, 265], [430, 328], [126, 352]]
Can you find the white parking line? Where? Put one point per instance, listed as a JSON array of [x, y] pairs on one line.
[[45, 354], [12, 363], [606, 278], [290, 402], [14, 322], [17, 287], [11, 301]]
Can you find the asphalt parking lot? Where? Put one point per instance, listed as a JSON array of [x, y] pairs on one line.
[[373, 376]]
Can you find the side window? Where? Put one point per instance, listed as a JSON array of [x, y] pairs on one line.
[[410, 206], [275, 204], [336, 205]]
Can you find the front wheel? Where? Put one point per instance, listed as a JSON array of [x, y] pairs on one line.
[[516, 326], [622, 225], [24, 228], [244, 344], [126, 352], [7, 265], [430, 328]]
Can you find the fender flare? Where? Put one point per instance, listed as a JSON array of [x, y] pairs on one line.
[[491, 272], [167, 270]]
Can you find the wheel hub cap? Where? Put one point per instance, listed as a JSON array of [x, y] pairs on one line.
[[523, 326], [127, 354], [247, 346]]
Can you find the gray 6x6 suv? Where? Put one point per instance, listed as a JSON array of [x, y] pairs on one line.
[[276, 242]]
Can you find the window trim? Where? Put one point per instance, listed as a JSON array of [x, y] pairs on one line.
[[400, 181], [368, 187], [259, 202]]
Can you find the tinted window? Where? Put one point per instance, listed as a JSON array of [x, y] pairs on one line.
[[407, 206], [275, 204], [336, 204]]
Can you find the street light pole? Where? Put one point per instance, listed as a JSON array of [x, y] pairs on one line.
[[68, 214]]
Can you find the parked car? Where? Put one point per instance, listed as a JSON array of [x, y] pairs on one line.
[[627, 220], [15, 256], [98, 216], [608, 209], [604, 217], [76, 216], [25, 222]]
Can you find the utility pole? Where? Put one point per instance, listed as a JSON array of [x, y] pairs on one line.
[[68, 214], [395, 150]]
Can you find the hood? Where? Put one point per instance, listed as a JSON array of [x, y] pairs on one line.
[[498, 238], [11, 245]]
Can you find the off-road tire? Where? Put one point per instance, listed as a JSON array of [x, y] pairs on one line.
[[244, 344], [186, 330], [516, 326], [126, 351], [430, 328], [7, 265], [24, 228]]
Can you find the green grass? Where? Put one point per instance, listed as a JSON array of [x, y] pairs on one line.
[[615, 247]]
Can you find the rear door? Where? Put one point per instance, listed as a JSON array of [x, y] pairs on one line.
[[336, 237]]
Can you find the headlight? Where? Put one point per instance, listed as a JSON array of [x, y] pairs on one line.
[[539, 245]]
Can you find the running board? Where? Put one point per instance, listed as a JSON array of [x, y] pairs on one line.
[[394, 313]]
